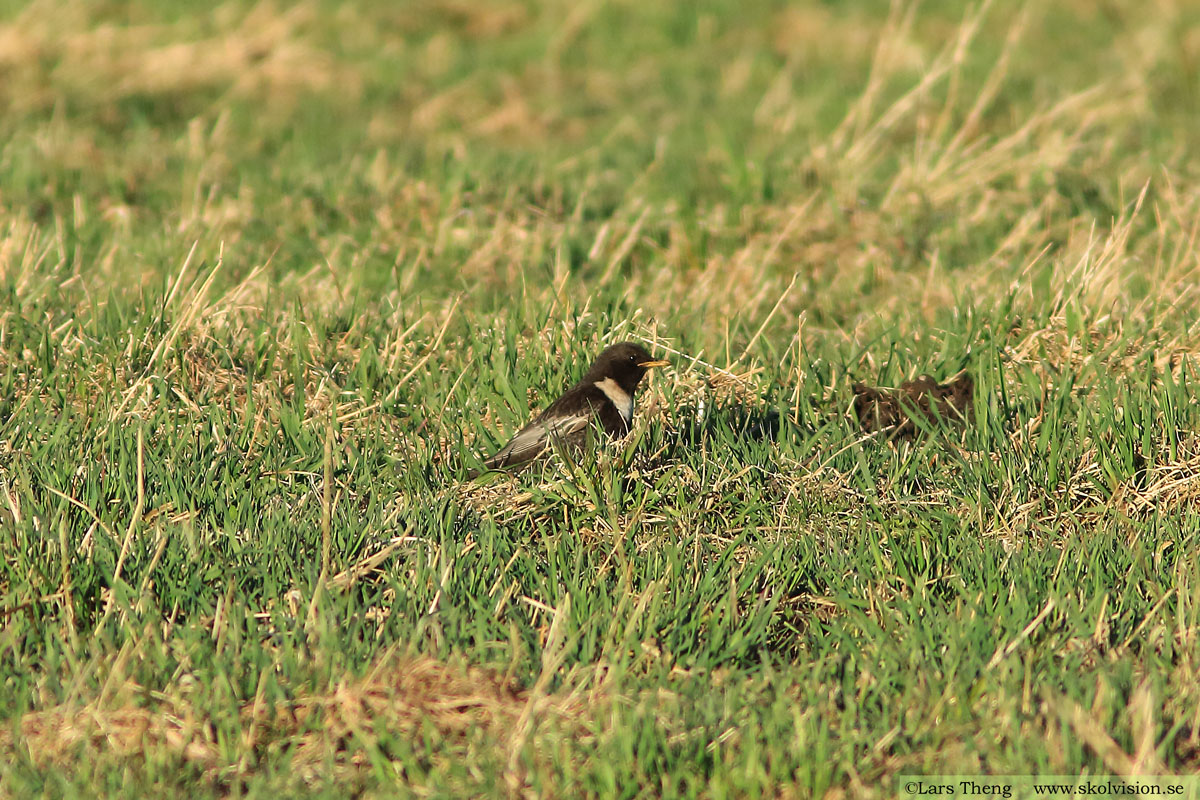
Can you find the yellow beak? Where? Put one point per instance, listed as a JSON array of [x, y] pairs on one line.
[[649, 364]]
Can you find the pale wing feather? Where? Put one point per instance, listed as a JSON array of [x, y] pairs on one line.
[[536, 436]]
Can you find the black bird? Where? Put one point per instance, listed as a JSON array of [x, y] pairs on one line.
[[604, 394]]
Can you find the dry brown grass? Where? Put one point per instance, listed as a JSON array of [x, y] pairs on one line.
[[52, 49], [329, 734]]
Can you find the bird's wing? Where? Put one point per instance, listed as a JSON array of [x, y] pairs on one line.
[[536, 437]]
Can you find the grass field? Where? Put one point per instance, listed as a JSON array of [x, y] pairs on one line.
[[272, 277]]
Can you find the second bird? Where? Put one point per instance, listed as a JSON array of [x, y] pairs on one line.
[[604, 395]]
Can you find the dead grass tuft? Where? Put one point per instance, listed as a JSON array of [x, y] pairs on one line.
[[53, 49], [408, 698], [1172, 487], [1103, 346]]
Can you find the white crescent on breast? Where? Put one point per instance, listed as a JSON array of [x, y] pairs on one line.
[[622, 399]]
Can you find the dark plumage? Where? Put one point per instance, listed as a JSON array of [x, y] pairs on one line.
[[901, 412], [604, 394]]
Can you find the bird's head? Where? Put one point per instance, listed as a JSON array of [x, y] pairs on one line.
[[626, 363]]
